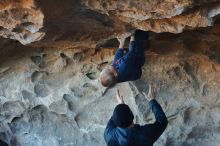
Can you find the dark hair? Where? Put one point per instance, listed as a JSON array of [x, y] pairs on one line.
[[2, 143], [122, 116]]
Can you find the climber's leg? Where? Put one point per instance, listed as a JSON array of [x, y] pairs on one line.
[[140, 37]]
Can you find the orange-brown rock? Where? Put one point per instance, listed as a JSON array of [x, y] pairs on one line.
[[21, 20], [9, 4], [68, 23], [50, 94], [160, 16]]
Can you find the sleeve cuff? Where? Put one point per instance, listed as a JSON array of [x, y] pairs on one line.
[[152, 103], [132, 43], [121, 49]]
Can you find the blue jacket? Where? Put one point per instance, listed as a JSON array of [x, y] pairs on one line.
[[3, 143], [138, 135], [129, 65]]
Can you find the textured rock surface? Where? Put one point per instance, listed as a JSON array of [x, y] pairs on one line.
[[21, 20], [53, 97], [49, 91], [160, 16], [69, 23]]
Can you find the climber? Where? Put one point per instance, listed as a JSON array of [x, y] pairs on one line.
[[128, 66], [121, 131]]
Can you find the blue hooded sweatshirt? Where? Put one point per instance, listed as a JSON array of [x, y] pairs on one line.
[[137, 135]]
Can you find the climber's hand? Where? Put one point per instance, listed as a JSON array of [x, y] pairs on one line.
[[119, 98], [121, 41], [150, 96], [132, 38]]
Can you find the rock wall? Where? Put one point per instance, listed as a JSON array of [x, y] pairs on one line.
[[69, 23], [160, 16], [50, 94], [21, 20]]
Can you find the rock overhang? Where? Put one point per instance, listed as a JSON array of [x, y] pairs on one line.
[[91, 22]]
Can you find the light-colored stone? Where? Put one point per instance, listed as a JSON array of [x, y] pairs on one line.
[[184, 68], [50, 93]]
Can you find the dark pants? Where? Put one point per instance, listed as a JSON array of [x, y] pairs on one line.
[[137, 48], [129, 65]]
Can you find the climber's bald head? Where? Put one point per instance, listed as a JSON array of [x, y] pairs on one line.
[[109, 76]]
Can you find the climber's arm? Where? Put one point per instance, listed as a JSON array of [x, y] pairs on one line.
[[119, 54], [158, 127], [109, 130], [109, 133]]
